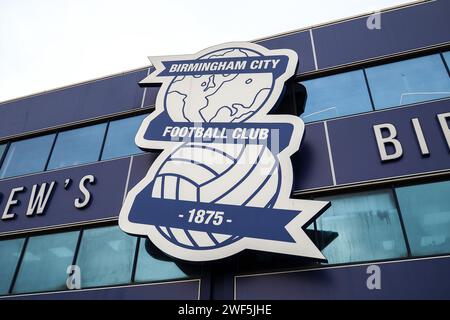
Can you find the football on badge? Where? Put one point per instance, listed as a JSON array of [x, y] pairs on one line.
[[239, 174]]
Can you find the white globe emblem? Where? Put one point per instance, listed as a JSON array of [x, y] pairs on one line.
[[213, 98]]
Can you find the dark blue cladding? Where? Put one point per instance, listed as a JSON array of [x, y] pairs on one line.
[[181, 290], [107, 194], [311, 163], [77, 103], [140, 166], [420, 279], [299, 42], [150, 96], [355, 152], [415, 27], [150, 92]]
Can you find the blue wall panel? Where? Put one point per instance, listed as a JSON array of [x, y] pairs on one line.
[[414, 279], [80, 102], [150, 96], [311, 163], [140, 166], [181, 290], [299, 42], [401, 30]]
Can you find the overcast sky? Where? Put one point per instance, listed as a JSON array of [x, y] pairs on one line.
[[46, 44]]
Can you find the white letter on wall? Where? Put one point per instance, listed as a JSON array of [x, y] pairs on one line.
[[80, 204], [39, 201], [381, 142], [444, 126], [11, 202], [420, 137]]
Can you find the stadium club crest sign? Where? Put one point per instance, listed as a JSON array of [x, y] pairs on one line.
[[223, 180]]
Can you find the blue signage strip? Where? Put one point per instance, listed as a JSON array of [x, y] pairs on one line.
[[73, 195], [413, 279], [356, 155], [178, 290]]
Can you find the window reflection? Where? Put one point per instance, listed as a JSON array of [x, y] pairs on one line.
[[426, 214], [77, 146], [367, 227], [2, 149], [106, 257], [45, 262], [153, 265], [408, 81], [26, 156], [447, 58], [9, 253], [335, 96], [120, 137]]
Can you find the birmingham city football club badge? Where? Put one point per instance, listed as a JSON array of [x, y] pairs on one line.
[[223, 181]]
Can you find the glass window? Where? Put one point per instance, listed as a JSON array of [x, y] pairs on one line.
[[337, 95], [426, 213], [106, 257], [156, 266], [77, 146], [447, 58], [2, 149], [120, 137], [367, 227], [45, 262], [408, 81], [27, 156], [9, 253]]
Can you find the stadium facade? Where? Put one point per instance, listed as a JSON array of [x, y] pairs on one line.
[[376, 145]]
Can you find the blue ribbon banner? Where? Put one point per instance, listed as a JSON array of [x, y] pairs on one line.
[[250, 222], [275, 136], [259, 64]]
